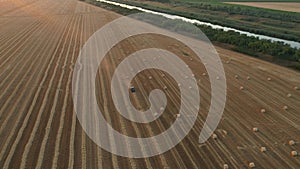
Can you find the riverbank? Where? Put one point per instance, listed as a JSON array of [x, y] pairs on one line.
[[274, 52], [293, 44], [278, 24]]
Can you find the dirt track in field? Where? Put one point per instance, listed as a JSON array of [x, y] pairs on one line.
[[283, 6], [40, 41]]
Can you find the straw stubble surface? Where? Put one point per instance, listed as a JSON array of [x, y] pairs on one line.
[[40, 41]]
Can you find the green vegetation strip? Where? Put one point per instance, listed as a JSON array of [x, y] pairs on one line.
[[241, 43], [280, 24]]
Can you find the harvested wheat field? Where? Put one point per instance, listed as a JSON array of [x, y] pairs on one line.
[[40, 41], [283, 6]]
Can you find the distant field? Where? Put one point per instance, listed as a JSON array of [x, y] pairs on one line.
[[258, 0], [293, 7]]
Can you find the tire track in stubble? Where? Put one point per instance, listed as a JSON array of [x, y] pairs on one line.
[[73, 123], [67, 95], [45, 101], [17, 42], [172, 89], [53, 112], [20, 75], [99, 150], [5, 83], [123, 127], [19, 115], [25, 123]]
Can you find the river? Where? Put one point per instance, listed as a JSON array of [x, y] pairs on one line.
[[293, 44]]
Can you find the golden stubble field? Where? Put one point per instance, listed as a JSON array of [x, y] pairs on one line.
[[40, 41]]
